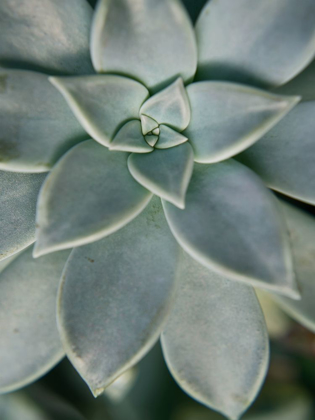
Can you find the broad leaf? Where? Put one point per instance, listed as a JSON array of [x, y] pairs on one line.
[[156, 45], [284, 157], [18, 195], [89, 194], [227, 118], [265, 45], [232, 224], [30, 344], [215, 342], [164, 172], [102, 104], [115, 296], [47, 35], [37, 126], [170, 106], [302, 233]]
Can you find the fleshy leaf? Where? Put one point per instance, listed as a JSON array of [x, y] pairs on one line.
[[227, 118], [148, 124], [303, 84], [18, 196], [165, 172], [37, 126], [215, 342], [232, 224], [89, 194], [169, 138], [130, 139], [151, 139], [284, 157], [170, 106], [115, 297], [30, 343], [157, 43], [266, 45], [102, 103], [302, 233], [46, 35]]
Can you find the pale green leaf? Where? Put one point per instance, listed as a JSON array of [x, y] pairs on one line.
[[169, 106], [37, 126], [265, 45], [284, 157], [164, 172], [18, 196], [152, 41], [148, 124], [47, 35], [89, 194], [115, 297], [130, 139], [169, 138], [30, 344], [102, 104], [215, 342], [233, 224], [227, 118]]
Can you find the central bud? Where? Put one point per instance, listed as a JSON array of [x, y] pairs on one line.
[[150, 130]]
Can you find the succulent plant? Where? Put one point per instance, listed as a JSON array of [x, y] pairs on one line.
[[156, 211]]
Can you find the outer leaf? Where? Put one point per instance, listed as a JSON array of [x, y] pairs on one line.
[[215, 342], [302, 233], [88, 195], [156, 45], [102, 104], [18, 195], [165, 172], [130, 139], [227, 118], [30, 343], [115, 297], [265, 45], [284, 158], [232, 224], [49, 35], [37, 126], [170, 106]]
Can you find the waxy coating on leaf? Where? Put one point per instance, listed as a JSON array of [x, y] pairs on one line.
[[18, 195], [127, 39], [215, 342], [227, 118], [266, 45], [35, 132], [130, 139], [102, 103], [284, 157], [89, 194], [115, 296], [45, 35], [30, 344], [232, 224]]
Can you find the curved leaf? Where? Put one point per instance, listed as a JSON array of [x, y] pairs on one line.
[[46, 35], [164, 172], [30, 344], [227, 118], [18, 195], [115, 297], [102, 104], [156, 45], [169, 106], [266, 45], [232, 224], [215, 342], [130, 139], [284, 158], [169, 138], [89, 194], [37, 126], [302, 233]]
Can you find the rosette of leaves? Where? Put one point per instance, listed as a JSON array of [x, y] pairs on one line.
[[161, 141]]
